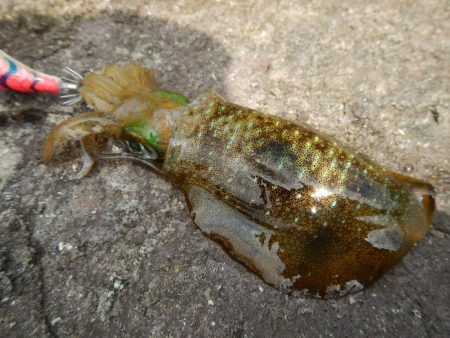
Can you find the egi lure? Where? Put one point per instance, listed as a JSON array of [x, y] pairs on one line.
[[16, 76]]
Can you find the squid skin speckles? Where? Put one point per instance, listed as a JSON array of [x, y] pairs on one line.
[[296, 207]]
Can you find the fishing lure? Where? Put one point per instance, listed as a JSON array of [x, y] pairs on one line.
[[301, 210], [16, 76]]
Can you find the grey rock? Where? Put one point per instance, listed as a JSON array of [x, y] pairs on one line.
[[116, 253]]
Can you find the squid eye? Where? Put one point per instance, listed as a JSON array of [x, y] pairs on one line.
[[144, 152], [134, 147]]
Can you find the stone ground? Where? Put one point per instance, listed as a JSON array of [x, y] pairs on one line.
[[116, 254]]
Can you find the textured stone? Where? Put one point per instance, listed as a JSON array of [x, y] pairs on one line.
[[116, 254]]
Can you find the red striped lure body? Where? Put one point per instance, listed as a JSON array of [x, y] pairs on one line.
[[296, 207], [16, 76]]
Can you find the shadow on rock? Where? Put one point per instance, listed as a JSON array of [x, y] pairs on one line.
[[185, 60], [441, 222]]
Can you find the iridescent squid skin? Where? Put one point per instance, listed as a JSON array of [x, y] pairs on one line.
[[296, 207]]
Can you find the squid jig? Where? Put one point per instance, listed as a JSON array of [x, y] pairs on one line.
[[16, 76], [298, 208]]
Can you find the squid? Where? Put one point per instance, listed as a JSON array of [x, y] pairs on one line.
[[298, 208]]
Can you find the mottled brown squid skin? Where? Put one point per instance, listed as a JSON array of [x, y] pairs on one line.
[[333, 215], [296, 207]]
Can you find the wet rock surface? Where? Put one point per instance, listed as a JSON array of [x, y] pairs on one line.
[[116, 254]]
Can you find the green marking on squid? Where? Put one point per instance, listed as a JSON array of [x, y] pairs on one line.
[[173, 97], [316, 160], [142, 130]]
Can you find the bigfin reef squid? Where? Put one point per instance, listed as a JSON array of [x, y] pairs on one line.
[[296, 207]]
